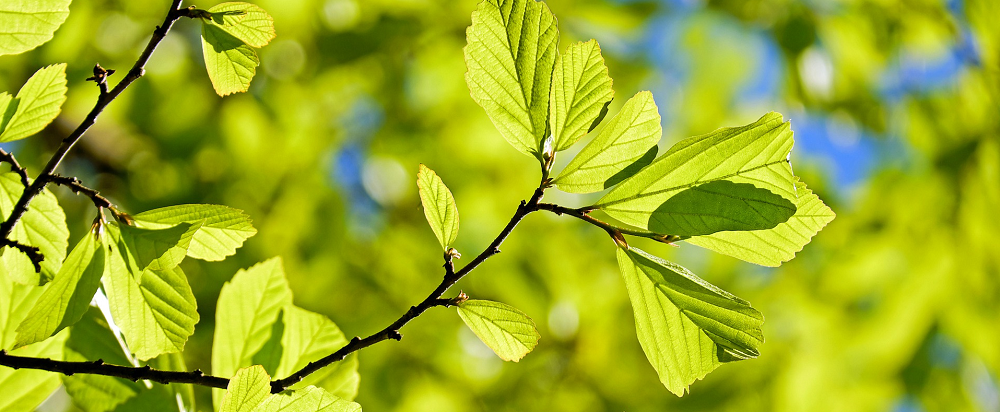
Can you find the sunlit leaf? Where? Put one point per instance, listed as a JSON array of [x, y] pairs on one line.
[[309, 336], [439, 206], [247, 389], [90, 339], [25, 389], [231, 64], [248, 306], [771, 247], [245, 21], [66, 298], [686, 326], [510, 54], [718, 206], [623, 140], [581, 90], [42, 226], [26, 24], [158, 249], [506, 330], [155, 310], [36, 104], [309, 399], [222, 231]]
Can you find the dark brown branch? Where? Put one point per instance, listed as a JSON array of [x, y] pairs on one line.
[[32, 252], [616, 232], [74, 184], [105, 98], [432, 300], [98, 367], [14, 166]]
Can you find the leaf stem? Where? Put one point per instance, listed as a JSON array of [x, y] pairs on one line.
[[616, 232]]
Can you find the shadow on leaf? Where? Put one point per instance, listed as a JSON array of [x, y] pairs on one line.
[[720, 206]]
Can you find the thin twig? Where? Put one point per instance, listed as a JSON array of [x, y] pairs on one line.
[[74, 184], [616, 232], [105, 98], [31, 252], [98, 367], [14, 166]]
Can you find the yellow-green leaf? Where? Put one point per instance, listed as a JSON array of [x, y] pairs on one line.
[[26, 24], [439, 206], [245, 21], [508, 331], [231, 64], [246, 390], [581, 92], [36, 104]]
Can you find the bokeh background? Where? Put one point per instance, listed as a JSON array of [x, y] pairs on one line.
[[895, 105]]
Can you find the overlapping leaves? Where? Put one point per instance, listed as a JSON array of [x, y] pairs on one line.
[[229, 33], [43, 226], [250, 391]]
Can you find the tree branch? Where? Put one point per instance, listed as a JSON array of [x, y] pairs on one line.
[[105, 98], [74, 184], [32, 252], [616, 232], [14, 166], [98, 367]]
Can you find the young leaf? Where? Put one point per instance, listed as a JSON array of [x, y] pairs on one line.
[[756, 154], [36, 104], [247, 389], [25, 389], [158, 249], [42, 226], [66, 298], [26, 24], [625, 139], [245, 21], [439, 206], [248, 305], [91, 338], [686, 326], [581, 90], [307, 337], [510, 53], [223, 229], [157, 314], [309, 399], [509, 332], [231, 64], [771, 247]]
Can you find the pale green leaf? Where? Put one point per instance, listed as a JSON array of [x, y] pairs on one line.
[[627, 138], [247, 308], [309, 336], [223, 229], [245, 21], [91, 338], [158, 249], [439, 206], [158, 312], [18, 299], [231, 64], [508, 331], [36, 104], [773, 246], [42, 226], [247, 389], [686, 326], [756, 154], [26, 24], [308, 399], [66, 298], [510, 54], [24, 389], [581, 90]]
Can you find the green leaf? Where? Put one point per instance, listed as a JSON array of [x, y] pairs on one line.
[[509, 332], [245, 21], [25, 389], [773, 246], [581, 90], [231, 64], [247, 389], [157, 314], [624, 140], [42, 226], [223, 229], [158, 249], [36, 104], [439, 206], [309, 336], [309, 399], [26, 24], [719, 206], [510, 54], [66, 298], [91, 338], [18, 300], [686, 326], [247, 308]]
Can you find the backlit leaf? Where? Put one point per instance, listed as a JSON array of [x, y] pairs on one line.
[[508, 331], [510, 54], [439, 206], [25, 389], [581, 89], [26, 24], [222, 231], [245, 21], [309, 399], [231, 64], [158, 249], [42, 226], [247, 389], [36, 104]]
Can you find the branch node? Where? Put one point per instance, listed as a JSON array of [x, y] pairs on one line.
[[99, 362], [395, 335]]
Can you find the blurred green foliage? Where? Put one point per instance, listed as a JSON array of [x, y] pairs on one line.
[[894, 306]]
